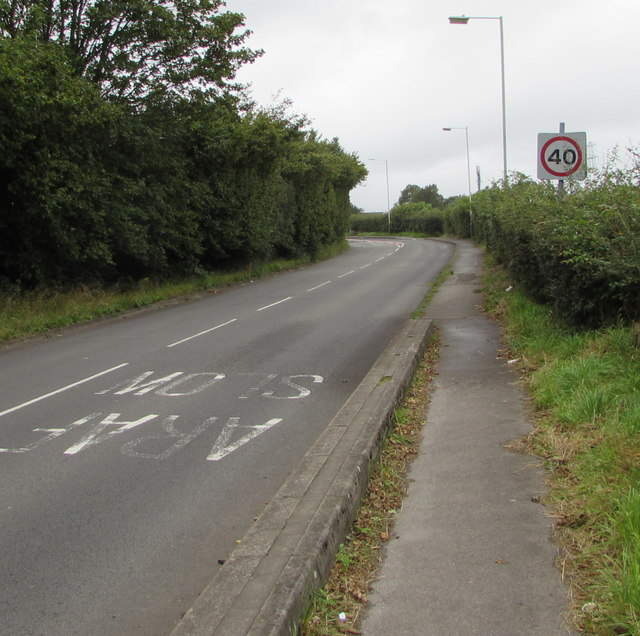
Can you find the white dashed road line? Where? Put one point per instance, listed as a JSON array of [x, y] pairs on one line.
[[319, 286], [202, 333], [279, 302], [64, 388]]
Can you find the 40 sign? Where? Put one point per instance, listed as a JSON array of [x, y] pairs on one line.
[[562, 155]]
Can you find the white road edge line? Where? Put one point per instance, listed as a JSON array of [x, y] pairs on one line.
[[64, 388], [202, 333], [319, 286], [284, 300]]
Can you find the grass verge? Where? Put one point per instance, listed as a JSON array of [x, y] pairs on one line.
[[23, 315], [336, 608], [585, 386]]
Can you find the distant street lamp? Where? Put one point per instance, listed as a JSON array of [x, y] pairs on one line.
[[464, 20], [386, 163], [466, 133]]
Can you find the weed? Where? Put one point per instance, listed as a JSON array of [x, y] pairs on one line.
[[359, 557], [344, 557], [419, 311]]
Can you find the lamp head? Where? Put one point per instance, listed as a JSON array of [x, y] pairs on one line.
[[459, 19]]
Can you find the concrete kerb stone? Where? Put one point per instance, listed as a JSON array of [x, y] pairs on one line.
[[264, 586]]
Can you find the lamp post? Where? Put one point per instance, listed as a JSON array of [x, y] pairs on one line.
[[386, 163], [464, 20], [466, 134]]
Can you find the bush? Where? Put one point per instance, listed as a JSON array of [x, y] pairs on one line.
[[414, 218], [377, 223], [94, 192], [53, 126], [419, 218], [457, 220], [580, 254]]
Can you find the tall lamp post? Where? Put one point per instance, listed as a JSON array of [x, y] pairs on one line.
[[466, 134], [464, 20], [386, 163]]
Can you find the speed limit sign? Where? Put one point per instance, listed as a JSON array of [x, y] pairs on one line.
[[562, 155]]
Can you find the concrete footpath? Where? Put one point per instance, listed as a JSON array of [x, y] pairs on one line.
[[471, 552]]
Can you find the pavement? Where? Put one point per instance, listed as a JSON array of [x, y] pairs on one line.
[[471, 552]]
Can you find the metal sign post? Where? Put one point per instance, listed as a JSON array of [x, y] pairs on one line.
[[561, 181]]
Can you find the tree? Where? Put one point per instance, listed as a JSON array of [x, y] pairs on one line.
[[134, 49], [409, 194], [416, 194], [54, 127]]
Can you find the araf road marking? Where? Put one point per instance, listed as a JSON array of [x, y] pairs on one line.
[[53, 433], [128, 386], [98, 433], [202, 333], [170, 433], [266, 378], [303, 392], [64, 388], [166, 385], [205, 380], [222, 448], [279, 302], [346, 274]]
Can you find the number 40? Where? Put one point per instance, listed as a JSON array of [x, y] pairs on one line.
[[569, 157]]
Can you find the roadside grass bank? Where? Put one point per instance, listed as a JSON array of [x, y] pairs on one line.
[[27, 314], [336, 608], [585, 391]]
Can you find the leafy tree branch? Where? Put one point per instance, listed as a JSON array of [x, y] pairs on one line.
[[135, 49]]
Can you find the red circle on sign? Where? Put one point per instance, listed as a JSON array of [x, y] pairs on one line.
[[555, 173]]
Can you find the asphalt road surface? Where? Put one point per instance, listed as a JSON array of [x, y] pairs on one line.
[[135, 453]]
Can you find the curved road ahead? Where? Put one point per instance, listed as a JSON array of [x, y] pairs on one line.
[[135, 453]]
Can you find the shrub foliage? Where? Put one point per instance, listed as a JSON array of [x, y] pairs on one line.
[[580, 253], [414, 218], [97, 190]]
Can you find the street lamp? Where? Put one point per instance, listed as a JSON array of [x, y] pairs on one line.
[[386, 163], [466, 134], [464, 20]]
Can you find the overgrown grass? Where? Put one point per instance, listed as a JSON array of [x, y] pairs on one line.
[[422, 307], [27, 314], [358, 559], [585, 386]]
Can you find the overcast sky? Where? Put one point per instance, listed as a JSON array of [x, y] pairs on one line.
[[386, 76]]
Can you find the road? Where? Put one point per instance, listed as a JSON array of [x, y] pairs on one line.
[[135, 453]]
